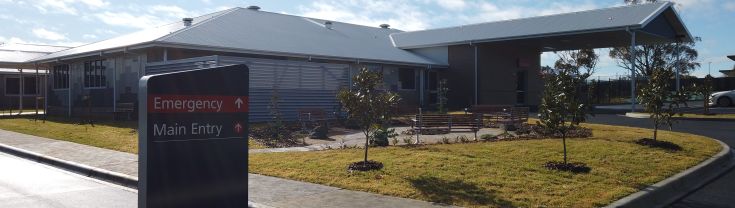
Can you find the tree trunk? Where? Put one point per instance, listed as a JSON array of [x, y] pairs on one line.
[[564, 140], [367, 140], [655, 132]]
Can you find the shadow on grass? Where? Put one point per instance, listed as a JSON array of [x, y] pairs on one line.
[[132, 124], [450, 192]]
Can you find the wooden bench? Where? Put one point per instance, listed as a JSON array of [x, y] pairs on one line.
[[447, 122], [124, 108], [311, 116], [503, 114]]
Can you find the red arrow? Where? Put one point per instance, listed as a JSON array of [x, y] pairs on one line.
[[238, 128]]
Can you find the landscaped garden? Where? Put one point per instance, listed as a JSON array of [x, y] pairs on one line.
[[503, 173]]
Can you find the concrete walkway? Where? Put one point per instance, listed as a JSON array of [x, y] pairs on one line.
[[358, 139], [263, 191]]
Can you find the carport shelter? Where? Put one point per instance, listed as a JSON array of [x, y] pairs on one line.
[[304, 61]]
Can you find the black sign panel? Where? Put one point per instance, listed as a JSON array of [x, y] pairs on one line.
[[193, 143]]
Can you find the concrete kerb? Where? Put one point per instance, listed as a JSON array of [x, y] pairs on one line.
[[675, 187], [92, 172]]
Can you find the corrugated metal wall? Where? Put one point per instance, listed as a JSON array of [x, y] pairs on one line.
[[298, 84]]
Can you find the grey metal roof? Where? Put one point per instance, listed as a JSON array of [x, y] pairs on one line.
[[21, 52], [272, 32], [132, 39], [247, 30], [632, 16]]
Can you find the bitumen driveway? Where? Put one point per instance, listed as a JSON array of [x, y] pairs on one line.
[[25, 183], [718, 193]]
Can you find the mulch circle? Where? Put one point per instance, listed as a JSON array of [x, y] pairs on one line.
[[365, 166], [659, 144], [575, 167]]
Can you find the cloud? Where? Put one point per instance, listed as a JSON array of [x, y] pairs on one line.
[[48, 35], [729, 6], [693, 4], [68, 6], [493, 12], [172, 11], [89, 36], [401, 14], [452, 4], [125, 19]]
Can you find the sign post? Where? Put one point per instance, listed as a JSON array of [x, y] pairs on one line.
[[193, 128]]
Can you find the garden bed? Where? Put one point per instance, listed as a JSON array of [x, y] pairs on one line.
[[504, 173]]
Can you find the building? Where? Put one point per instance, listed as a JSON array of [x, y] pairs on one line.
[[730, 72], [22, 84], [306, 60]]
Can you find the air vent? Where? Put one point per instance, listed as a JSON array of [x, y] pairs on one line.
[[384, 26], [187, 21], [254, 8], [328, 24]]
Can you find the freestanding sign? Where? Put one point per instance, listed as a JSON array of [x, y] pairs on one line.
[[193, 128]]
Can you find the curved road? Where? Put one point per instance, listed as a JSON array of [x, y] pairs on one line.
[[718, 193]]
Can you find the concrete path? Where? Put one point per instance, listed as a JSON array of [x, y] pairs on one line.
[[358, 139], [276, 192], [110, 160], [25, 183], [718, 193], [263, 191]]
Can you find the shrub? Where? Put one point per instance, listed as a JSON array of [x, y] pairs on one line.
[[381, 135], [407, 140], [445, 140], [463, 139], [659, 144], [488, 137], [394, 140]]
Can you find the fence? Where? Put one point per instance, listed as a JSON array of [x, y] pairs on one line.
[[616, 90]]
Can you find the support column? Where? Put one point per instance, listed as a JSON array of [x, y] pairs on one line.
[[476, 90], [678, 66], [20, 94], [422, 84], [632, 71], [68, 89], [114, 84]]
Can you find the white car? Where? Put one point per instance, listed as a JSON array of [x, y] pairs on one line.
[[722, 99]]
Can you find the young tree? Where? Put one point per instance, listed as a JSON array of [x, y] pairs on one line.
[[563, 105], [367, 104], [705, 89], [658, 100]]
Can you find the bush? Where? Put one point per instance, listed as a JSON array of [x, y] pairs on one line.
[[381, 135], [365, 166], [535, 131], [575, 167], [445, 140], [659, 144], [275, 136], [488, 137], [407, 140]]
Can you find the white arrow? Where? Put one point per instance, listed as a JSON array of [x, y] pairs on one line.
[[238, 127], [238, 102]]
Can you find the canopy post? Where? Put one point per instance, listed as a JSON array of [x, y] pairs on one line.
[[632, 71]]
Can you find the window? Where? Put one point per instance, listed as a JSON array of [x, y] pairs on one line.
[[30, 86], [521, 84], [61, 76], [12, 86], [407, 79], [94, 74]]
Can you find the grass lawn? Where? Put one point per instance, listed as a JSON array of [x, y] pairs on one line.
[[715, 116], [500, 174], [120, 136]]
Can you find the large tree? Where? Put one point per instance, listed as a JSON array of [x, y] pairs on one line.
[[649, 57], [563, 104], [367, 103]]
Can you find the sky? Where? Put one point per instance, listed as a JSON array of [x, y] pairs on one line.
[[77, 22]]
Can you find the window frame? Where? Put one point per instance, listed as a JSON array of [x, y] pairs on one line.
[[94, 74], [66, 69], [5, 92]]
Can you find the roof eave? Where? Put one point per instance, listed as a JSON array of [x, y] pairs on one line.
[[274, 53]]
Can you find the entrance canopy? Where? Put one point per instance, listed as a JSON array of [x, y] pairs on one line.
[[18, 55], [602, 28]]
